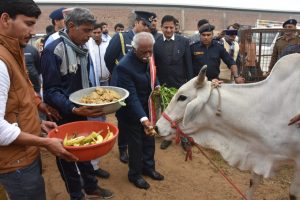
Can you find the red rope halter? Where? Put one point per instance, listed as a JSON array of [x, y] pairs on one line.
[[180, 133]]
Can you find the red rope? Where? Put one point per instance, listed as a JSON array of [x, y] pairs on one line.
[[179, 133], [221, 172]]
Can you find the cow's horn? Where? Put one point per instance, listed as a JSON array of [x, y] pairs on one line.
[[201, 76]]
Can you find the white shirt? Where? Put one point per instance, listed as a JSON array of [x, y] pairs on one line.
[[106, 38], [97, 53], [8, 132], [172, 38]]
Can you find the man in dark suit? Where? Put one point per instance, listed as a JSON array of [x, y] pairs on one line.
[[172, 55], [172, 58], [134, 75], [118, 47]]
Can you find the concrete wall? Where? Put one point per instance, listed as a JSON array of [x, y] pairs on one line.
[[188, 16]]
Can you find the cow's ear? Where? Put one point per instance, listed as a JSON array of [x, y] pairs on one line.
[[192, 109]]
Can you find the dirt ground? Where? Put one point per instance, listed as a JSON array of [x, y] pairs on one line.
[[196, 179]]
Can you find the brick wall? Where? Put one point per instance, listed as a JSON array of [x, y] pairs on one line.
[[188, 16]]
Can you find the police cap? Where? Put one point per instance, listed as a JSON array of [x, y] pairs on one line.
[[206, 28], [147, 17], [57, 14], [202, 22], [290, 21], [154, 15]]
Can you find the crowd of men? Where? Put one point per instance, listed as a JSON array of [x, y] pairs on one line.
[[78, 53]]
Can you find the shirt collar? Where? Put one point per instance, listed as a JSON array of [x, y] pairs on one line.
[[172, 38], [213, 42], [94, 42]]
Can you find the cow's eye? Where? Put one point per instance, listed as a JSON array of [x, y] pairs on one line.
[[182, 98]]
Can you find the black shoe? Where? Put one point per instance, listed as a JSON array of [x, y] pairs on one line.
[[154, 175], [101, 173], [124, 157], [165, 144], [140, 183], [99, 192]]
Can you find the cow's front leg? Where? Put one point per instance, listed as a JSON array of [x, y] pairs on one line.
[[254, 182], [295, 185]]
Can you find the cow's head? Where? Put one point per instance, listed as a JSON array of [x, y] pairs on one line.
[[186, 104]]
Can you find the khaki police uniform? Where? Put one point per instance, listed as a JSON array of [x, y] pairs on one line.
[[280, 45]]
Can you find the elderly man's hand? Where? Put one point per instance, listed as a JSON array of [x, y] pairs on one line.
[[148, 128], [156, 91]]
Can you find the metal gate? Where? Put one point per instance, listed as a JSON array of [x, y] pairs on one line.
[[256, 48]]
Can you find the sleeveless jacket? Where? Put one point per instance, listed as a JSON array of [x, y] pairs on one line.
[[20, 107]]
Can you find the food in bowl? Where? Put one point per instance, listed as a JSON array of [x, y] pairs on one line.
[[100, 96], [92, 138], [85, 128]]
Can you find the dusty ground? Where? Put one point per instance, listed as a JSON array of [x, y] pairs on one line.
[[191, 180]]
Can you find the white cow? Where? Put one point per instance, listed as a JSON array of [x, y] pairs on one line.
[[252, 131]]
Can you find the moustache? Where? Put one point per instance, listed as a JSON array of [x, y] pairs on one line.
[[28, 37], [146, 59]]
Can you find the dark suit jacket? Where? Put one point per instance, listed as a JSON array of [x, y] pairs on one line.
[[133, 75], [179, 69]]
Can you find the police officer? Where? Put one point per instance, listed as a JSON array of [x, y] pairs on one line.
[[57, 19], [153, 27], [119, 45], [58, 22], [289, 38], [209, 52], [196, 37]]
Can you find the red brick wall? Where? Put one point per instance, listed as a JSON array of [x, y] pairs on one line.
[[188, 17]]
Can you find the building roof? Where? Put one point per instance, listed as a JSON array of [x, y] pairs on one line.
[[281, 6]]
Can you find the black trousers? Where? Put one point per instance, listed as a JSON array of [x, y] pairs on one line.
[[74, 183], [141, 148], [122, 140]]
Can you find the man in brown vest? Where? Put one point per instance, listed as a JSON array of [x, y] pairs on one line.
[[20, 127]]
